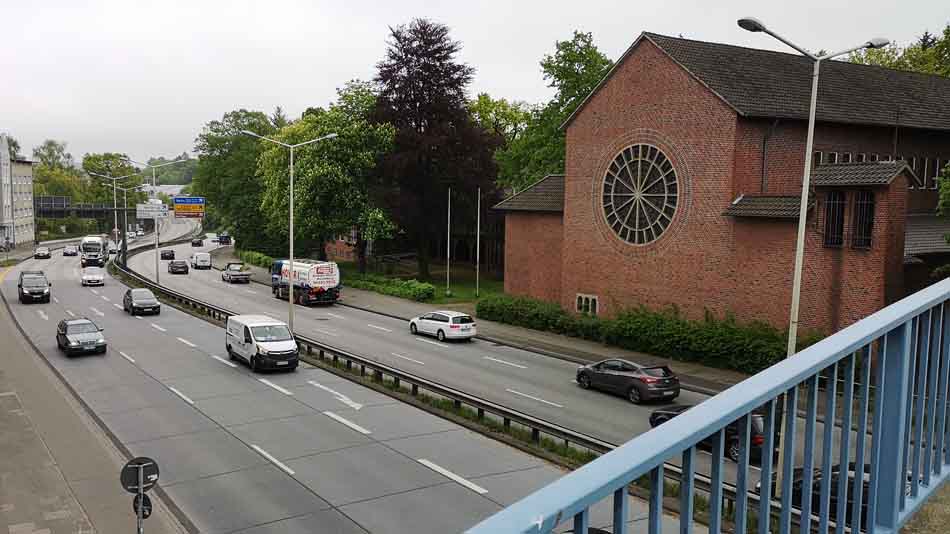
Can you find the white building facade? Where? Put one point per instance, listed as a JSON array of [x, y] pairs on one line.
[[17, 222]]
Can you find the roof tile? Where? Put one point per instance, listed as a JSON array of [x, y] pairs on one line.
[[773, 207], [871, 173], [547, 194]]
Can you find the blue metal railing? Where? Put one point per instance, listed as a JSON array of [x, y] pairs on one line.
[[869, 472]]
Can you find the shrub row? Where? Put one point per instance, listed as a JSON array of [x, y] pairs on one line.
[[713, 342], [407, 289], [255, 258]]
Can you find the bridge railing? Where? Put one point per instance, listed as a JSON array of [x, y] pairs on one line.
[[886, 452]]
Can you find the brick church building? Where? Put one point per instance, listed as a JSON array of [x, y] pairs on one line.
[[682, 181]]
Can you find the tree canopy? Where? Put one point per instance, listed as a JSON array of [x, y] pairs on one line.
[[930, 54]]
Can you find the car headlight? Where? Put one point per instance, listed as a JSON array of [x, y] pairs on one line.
[[262, 352], [73, 343], [46, 290]]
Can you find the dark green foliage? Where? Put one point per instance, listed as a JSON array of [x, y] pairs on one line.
[[407, 289], [255, 258]]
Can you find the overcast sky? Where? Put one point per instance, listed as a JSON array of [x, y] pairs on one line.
[[143, 77]]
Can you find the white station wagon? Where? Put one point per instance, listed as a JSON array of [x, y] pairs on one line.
[[444, 325]]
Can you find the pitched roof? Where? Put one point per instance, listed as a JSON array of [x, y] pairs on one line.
[[773, 207], [547, 194], [924, 234], [870, 173], [764, 83]]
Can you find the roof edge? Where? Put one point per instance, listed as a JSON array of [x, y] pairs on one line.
[[499, 207]]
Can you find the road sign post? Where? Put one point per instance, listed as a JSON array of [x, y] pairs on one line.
[[154, 212], [137, 477]]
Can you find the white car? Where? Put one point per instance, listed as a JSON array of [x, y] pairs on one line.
[[140, 233], [444, 325], [92, 276], [200, 260]]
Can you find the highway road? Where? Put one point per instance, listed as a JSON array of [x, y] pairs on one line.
[[288, 453]]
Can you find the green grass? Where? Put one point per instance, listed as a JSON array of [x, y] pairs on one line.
[[462, 283]]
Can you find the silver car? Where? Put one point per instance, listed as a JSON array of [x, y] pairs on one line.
[[92, 276]]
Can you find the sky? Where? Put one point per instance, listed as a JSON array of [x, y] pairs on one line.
[[143, 77]]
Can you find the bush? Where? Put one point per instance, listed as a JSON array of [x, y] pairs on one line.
[[408, 289], [255, 258], [714, 342]]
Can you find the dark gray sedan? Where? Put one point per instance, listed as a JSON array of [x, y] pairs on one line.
[[140, 301], [78, 336], [637, 383]]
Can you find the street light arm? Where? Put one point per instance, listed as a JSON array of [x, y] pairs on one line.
[[328, 136], [252, 134], [791, 44], [873, 43]]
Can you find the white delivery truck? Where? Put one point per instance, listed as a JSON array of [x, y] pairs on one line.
[[313, 281], [263, 342], [92, 251]]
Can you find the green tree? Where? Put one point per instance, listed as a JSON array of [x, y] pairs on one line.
[[111, 164], [499, 116], [53, 154], [14, 146], [575, 68], [930, 54]]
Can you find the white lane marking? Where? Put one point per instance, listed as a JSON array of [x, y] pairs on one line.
[[505, 363], [448, 474], [43, 315], [532, 397], [431, 342], [346, 422], [334, 315], [160, 329], [71, 314], [182, 395], [273, 460], [56, 300], [139, 318], [407, 358], [225, 362], [126, 356], [94, 291], [339, 396], [251, 291], [105, 298], [327, 332], [573, 381], [379, 328], [97, 312], [275, 386], [117, 306], [186, 342]]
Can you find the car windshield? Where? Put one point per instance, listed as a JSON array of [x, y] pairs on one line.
[[661, 372], [81, 328], [463, 319], [271, 333], [235, 267], [42, 250], [34, 281], [142, 294]]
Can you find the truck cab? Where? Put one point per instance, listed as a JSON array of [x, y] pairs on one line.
[[261, 341]]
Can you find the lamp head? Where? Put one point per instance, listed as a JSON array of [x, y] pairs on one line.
[[877, 42], [751, 24]]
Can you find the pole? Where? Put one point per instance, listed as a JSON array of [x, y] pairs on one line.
[[115, 212], [290, 274], [125, 229], [448, 244], [478, 237], [139, 520], [155, 223]]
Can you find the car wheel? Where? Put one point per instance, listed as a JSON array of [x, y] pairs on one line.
[[583, 381], [732, 451], [633, 395], [412, 329], [230, 353], [440, 335], [254, 364]]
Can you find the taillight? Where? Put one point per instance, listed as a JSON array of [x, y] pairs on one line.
[[454, 326], [758, 440], [649, 379]]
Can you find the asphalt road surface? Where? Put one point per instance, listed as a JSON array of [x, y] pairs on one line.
[[299, 452]]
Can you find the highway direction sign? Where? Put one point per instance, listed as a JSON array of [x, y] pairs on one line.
[[189, 207], [151, 211]]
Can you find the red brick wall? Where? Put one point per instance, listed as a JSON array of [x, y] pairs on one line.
[[533, 255], [339, 250]]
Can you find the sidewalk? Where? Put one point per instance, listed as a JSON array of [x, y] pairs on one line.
[[695, 377], [59, 473]]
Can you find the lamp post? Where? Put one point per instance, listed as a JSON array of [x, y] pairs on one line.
[[290, 273], [115, 208], [755, 25], [125, 222], [155, 193]]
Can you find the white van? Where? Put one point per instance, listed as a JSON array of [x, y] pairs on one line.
[[201, 260], [262, 342]]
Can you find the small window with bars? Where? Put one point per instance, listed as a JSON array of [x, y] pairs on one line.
[[832, 157], [863, 225], [873, 157], [845, 157], [935, 174], [586, 304], [817, 159], [862, 157], [834, 219]]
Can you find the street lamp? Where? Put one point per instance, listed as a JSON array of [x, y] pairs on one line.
[[755, 25], [153, 167], [290, 273], [115, 213], [125, 220]]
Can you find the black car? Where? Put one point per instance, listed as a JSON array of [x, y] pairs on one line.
[[197, 243], [731, 438], [34, 288], [41, 252], [636, 382], [178, 267], [70, 250], [798, 490], [140, 301], [224, 239], [168, 254], [77, 336]]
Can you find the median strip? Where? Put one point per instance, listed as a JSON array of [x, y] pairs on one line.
[[273, 460], [275, 386], [379, 328], [407, 358], [126, 356], [532, 397], [505, 363], [182, 395], [346, 422], [186, 342], [448, 474]]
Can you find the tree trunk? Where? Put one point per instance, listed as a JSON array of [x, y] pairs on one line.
[[322, 251], [423, 254], [361, 252]]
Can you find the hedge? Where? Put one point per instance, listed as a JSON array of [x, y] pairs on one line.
[[255, 258], [713, 342], [408, 289]]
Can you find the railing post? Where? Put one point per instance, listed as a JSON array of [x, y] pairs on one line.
[[890, 478]]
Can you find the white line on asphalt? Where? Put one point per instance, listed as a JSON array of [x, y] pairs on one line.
[[327, 332], [117, 306], [448, 474], [43, 315], [71, 314], [225, 362], [139, 318], [534, 398], [350, 424], [186, 342], [251, 291], [407, 358], [56, 300], [275, 386], [430, 342], [334, 315], [105, 298], [339, 396], [519, 366], [126, 356], [273, 460], [160, 329], [182, 395], [97, 312], [379, 328], [94, 291]]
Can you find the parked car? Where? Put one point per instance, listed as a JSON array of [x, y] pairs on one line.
[[70, 250], [197, 242], [201, 260], [92, 276], [731, 437], [140, 301], [234, 272], [444, 325], [76, 336], [167, 254], [34, 288], [178, 267], [41, 252], [261, 341], [636, 382]]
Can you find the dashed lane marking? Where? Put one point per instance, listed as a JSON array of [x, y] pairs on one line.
[[519, 366], [334, 315], [182, 395], [339, 396], [186, 342], [105, 298], [532, 397], [126, 356], [56, 300], [225, 362], [160, 329], [71, 314], [94, 291], [275, 386], [117, 306], [437, 344], [347, 422], [97, 312], [448, 474], [43, 315], [407, 358], [273, 460], [379, 328]]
